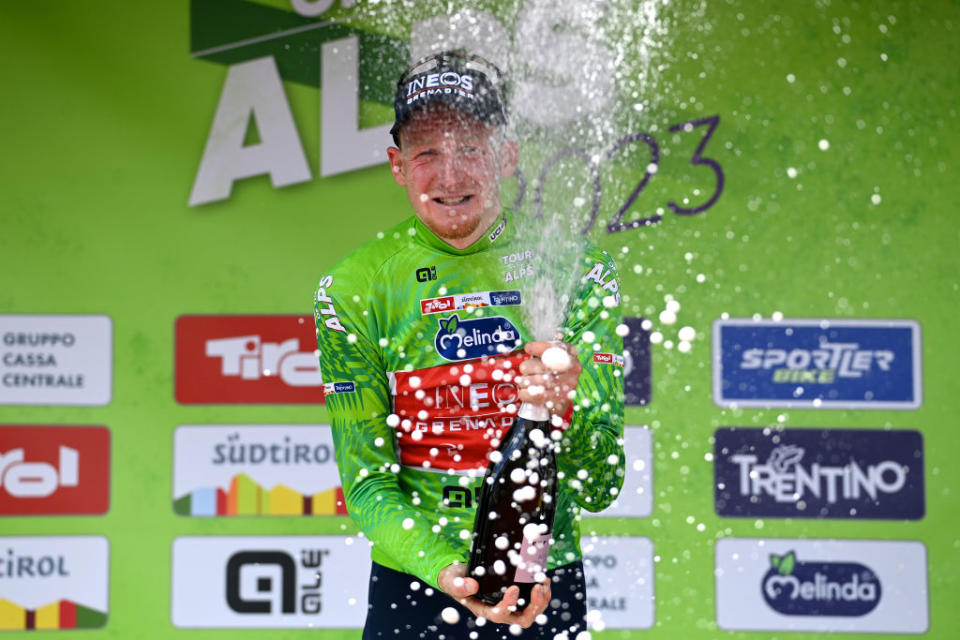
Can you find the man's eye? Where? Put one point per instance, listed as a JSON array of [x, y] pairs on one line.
[[426, 153]]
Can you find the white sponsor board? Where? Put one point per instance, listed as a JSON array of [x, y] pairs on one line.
[[38, 571], [270, 582], [56, 359], [636, 496], [619, 577], [828, 585], [205, 458]]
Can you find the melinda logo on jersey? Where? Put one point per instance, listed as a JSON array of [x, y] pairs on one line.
[[820, 588], [474, 338]]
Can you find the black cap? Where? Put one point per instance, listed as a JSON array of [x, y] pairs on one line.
[[467, 82]]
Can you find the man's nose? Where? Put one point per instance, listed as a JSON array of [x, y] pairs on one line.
[[449, 170]]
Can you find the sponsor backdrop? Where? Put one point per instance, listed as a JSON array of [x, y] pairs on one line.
[[776, 180]]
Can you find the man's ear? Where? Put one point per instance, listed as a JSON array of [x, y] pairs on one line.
[[396, 165], [509, 156]]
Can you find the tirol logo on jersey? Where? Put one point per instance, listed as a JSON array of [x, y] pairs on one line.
[[247, 360], [797, 588], [54, 470], [814, 473], [460, 301], [475, 337], [608, 358], [867, 364]]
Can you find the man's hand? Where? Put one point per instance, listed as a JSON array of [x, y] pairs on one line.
[[540, 385], [453, 581]]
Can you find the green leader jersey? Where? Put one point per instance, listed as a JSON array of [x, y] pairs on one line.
[[419, 343]]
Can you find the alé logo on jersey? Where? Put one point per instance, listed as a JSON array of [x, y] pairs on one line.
[[797, 588], [247, 360], [475, 337], [54, 470]]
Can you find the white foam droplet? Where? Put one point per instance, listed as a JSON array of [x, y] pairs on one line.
[[824, 144], [556, 359], [407, 523], [589, 337], [393, 420], [450, 615], [687, 333]]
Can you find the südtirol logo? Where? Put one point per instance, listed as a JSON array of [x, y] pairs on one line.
[[796, 588], [245, 470], [476, 337]]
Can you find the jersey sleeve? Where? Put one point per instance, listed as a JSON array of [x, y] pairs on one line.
[[358, 402], [591, 456]]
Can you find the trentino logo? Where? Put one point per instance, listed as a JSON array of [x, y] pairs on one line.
[[797, 588], [819, 473], [474, 338]]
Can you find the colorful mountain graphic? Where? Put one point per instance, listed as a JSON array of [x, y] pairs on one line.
[[62, 614], [246, 497]]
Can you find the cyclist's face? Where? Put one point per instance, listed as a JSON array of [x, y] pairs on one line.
[[451, 164]]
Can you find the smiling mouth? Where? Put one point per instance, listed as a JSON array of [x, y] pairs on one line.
[[452, 201]]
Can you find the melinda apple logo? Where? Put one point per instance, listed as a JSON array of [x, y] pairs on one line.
[[820, 588], [474, 338]]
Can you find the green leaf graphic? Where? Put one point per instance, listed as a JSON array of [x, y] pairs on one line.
[[452, 323], [788, 563], [775, 561]]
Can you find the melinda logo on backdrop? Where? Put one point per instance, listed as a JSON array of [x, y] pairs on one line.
[[270, 470], [247, 360], [819, 363], [797, 588], [49, 583], [819, 473], [54, 470]]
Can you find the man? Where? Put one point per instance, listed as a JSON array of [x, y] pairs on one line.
[[425, 359]]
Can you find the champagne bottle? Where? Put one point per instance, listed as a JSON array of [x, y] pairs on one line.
[[514, 519]]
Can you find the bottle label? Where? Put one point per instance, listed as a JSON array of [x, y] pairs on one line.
[[533, 558]]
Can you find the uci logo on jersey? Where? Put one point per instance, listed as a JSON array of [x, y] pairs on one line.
[[474, 338]]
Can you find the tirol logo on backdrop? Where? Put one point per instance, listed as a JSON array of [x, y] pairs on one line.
[[475, 337], [797, 588], [50, 583], [819, 473], [269, 470], [54, 470], [247, 360], [290, 582], [865, 364]]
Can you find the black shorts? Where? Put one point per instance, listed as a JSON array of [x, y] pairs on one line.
[[400, 612]]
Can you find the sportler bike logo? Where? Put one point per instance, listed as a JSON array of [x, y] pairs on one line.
[[474, 338], [815, 588]]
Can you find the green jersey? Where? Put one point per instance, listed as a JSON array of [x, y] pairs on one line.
[[419, 344]]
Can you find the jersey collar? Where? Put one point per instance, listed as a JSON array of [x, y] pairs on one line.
[[494, 233]]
